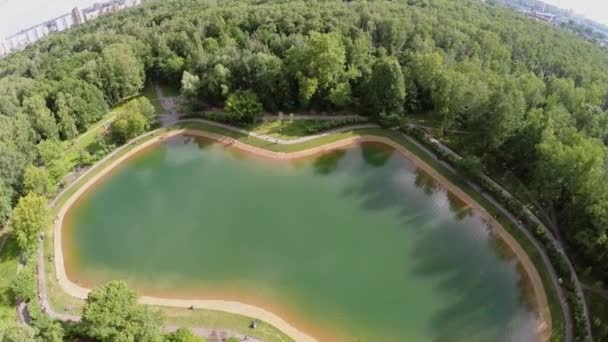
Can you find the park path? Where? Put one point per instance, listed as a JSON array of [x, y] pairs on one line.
[[568, 320], [171, 116]]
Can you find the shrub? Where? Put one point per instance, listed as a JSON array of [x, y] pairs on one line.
[[243, 106]]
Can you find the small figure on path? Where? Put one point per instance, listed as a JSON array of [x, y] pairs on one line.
[[254, 324], [191, 307]]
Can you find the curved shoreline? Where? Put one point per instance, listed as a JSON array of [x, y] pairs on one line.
[[540, 298]]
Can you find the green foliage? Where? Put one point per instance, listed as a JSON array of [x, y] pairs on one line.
[[134, 119], [77, 104], [469, 166], [111, 313], [6, 195], [183, 335], [23, 287], [85, 158], [119, 72], [314, 127], [36, 180], [243, 106], [17, 332], [50, 151], [29, 217], [386, 88], [319, 67]]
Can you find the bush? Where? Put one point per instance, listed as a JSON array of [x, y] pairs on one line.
[[218, 117], [23, 287], [243, 106], [320, 126]]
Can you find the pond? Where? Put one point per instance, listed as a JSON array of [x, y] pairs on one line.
[[353, 245]]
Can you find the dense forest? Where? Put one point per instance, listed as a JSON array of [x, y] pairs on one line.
[[525, 96]]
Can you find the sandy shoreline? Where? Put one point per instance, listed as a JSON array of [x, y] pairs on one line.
[[541, 304]]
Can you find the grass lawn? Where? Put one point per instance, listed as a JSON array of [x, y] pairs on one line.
[[238, 323], [9, 259], [285, 130]]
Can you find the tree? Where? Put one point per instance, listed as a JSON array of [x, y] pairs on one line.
[[111, 313], [36, 180], [319, 65], [41, 117], [17, 332], [120, 72], [6, 195], [29, 217], [386, 88], [128, 125], [173, 69], [78, 102], [23, 287], [190, 85], [51, 331], [146, 108], [50, 151], [243, 106], [184, 335]]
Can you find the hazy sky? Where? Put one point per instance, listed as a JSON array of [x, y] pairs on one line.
[[592, 9], [16, 15]]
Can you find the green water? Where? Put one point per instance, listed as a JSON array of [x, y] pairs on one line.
[[356, 243]]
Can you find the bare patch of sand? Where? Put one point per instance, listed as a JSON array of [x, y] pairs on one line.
[[544, 328]]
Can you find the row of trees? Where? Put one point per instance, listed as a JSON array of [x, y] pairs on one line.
[[110, 314]]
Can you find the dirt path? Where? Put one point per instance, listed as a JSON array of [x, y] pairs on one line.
[[260, 313]]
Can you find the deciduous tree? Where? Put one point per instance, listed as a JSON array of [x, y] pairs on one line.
[[111, 314], [29, 217]]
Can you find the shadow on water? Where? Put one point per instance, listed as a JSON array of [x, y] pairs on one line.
[[376, 155], [482, 305], [327, 163]]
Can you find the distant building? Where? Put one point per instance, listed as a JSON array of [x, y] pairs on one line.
[[23, 38], [540, 16], [111, 6], [77, 18]]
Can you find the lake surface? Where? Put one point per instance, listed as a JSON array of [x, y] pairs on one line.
[[354, 245]]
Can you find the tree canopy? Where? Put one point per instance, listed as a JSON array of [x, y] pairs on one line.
[[111, 313], [29, 217]]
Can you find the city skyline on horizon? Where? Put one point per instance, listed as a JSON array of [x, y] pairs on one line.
[[17, 15], [596, 10]]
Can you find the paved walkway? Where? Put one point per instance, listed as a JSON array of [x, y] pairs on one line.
[[272, 139]]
